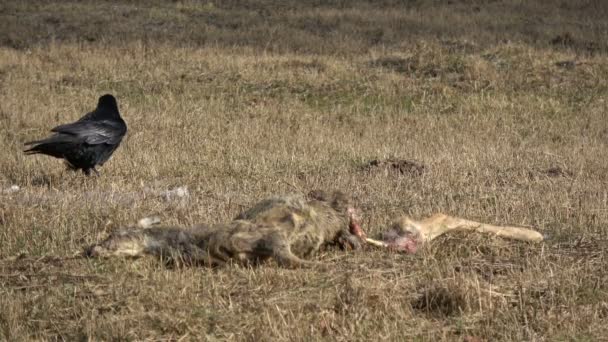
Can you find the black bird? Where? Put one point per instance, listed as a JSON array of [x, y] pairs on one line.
[[88, 142]]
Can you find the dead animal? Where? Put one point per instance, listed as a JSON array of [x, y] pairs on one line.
[[406, 234], [286, 229]]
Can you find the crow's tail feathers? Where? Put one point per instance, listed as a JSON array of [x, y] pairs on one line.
[[33, 149], [50, 147]]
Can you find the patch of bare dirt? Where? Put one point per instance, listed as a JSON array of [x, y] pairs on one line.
[[566, 64], [566, 40], [397, 64], [440, 301]]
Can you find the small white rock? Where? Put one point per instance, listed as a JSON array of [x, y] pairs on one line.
[[179, 192], [148, 222], [13, 188]]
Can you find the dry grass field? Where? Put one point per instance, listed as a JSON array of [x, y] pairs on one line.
[[503, 102]]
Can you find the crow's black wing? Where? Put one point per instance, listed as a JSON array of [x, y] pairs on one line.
[[94, 132]]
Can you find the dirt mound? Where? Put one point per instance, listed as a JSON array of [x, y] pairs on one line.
[[395, 166], [556, 171]]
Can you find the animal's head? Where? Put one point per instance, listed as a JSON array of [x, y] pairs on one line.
[[124, 242]]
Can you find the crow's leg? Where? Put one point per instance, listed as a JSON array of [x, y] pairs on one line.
[[87, 171]]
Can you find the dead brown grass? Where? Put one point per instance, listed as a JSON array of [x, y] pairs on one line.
[[505, 132], [338, 27]]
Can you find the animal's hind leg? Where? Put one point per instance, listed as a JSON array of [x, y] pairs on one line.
[[285, 258]]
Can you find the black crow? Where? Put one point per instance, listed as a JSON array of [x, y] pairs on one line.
[[88, 142]]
